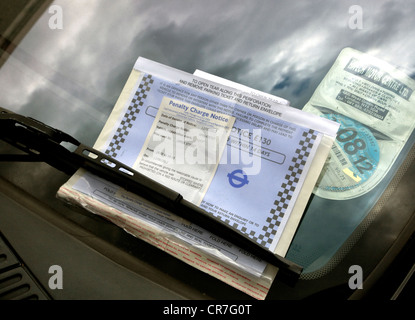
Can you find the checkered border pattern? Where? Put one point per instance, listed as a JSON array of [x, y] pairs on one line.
[[286, 191], [232, 224], [130, 116]]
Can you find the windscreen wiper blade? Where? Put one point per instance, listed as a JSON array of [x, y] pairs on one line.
[[44, 143]]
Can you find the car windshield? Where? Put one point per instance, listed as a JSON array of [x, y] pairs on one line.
[[70, 75], [70, 60]]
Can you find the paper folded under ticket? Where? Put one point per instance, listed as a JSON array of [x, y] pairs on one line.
[[249, 161]]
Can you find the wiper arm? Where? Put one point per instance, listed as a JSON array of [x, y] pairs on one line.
[[44, 143]]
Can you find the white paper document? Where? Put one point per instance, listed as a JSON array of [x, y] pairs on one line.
[[118, 198], [183, 147], [241, 87]]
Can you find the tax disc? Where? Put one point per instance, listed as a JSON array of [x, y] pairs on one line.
[[353, 159]]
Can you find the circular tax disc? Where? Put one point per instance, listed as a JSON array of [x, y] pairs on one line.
[[354, 157]]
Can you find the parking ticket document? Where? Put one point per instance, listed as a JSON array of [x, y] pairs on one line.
[[245, 159], [183, 147]]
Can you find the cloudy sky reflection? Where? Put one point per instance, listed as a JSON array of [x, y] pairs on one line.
[[71, 78]]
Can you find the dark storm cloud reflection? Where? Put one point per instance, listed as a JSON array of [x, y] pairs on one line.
[[280, 47]]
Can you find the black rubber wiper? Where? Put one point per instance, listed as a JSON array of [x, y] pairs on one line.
[[44, 143]]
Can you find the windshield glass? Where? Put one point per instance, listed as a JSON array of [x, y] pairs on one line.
[[70, 67], [70, 74]]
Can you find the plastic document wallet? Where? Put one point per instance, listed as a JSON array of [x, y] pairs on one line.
[[250, 161], [373, 101]]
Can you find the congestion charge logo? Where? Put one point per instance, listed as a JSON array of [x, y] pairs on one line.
[[238, 178]]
